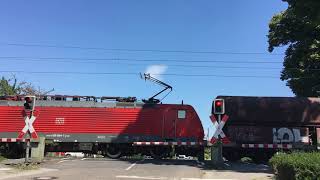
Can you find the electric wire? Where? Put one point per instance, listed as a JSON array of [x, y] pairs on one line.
[[133, 73], [63, 59], [72, 60], [137, 50]]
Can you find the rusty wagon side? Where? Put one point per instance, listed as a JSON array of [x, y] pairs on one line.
[[260, 126]]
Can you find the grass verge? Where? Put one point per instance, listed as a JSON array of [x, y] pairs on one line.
[[26, 166]]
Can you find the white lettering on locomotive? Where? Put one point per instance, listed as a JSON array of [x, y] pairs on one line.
[[59, 121]]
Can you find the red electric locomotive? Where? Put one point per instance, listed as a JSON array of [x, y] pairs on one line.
[[114, 126], [110, 127]]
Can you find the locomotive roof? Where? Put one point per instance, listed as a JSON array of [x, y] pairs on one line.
[[74, 104], [78, 101]]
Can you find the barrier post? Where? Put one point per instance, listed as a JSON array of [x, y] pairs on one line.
[[216, 149], [37, 151]]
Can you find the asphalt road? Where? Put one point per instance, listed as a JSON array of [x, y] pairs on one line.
[[98, 169]]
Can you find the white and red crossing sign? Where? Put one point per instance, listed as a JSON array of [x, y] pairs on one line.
[[218, 129], [28, 127]]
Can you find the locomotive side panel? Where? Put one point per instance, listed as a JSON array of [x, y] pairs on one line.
[[85, 124], [116, 125]]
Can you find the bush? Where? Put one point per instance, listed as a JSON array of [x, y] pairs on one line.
[[207, 153], [297, 165]]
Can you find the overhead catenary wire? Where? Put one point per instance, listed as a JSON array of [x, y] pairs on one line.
[[136, 50], [114, 62], [75, 59], [138, 74], [133, 73]]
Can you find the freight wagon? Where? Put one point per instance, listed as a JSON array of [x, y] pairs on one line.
[[260, 126], [112, 126]]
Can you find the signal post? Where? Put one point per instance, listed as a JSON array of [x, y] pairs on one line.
[[33, 141], [216, 141]]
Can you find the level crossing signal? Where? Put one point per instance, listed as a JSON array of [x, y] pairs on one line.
[[218, 106], [29, 103]]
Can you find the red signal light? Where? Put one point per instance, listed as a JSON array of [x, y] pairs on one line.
[[218, 103], [218, 106]]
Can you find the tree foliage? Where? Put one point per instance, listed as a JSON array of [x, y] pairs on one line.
[[298, 28], [11, 86]]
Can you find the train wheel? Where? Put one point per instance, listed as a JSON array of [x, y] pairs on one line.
[[113, 152]]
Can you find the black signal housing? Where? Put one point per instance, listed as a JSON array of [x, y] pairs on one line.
[[218, 106]]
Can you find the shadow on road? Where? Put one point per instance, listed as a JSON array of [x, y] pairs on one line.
[[228, 166]]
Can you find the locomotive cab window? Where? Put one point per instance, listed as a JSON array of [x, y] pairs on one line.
[[181, 114]]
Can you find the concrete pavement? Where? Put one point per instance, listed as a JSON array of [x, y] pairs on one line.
[[89, 168]]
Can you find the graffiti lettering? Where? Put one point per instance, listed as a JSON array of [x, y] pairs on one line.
[[286, 135]]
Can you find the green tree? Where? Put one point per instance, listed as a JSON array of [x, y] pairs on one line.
[[298, 28], [11, 86]]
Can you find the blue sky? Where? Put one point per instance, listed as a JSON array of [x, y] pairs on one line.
[[208, 25]]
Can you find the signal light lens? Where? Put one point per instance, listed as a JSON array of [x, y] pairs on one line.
[[218, 103], [218, 106]]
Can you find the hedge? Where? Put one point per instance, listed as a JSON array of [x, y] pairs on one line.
[[297, 165]]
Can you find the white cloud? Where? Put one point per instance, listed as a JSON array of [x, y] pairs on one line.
[[156, 70]]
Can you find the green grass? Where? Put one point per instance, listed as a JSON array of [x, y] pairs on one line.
[[27, 166]]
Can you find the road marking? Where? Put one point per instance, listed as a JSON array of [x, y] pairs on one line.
[[141, 177], [5, 169], [131, 166]]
